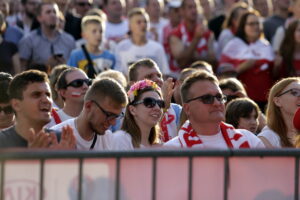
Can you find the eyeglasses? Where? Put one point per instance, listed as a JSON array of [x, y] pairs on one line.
[[6, 109], [77, 83], [294, 91], [109, 116], [150, 102], [82, 4], [209, 99]]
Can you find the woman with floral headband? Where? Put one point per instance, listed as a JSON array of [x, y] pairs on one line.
[[142, 116]]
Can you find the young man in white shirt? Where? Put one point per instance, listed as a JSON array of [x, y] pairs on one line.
[[103, 105]]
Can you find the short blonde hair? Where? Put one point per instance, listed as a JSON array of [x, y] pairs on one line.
[[91, 19]]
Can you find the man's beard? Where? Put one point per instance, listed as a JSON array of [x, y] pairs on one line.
[[95, 130]]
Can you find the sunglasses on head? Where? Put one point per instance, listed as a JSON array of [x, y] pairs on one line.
[[294, 91], [209, 99], [150, 102], [6, 109], [79, 82]]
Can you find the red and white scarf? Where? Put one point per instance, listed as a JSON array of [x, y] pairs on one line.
[[233, 138], [168, 125]]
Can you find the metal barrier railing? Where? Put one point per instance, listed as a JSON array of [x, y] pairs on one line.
[[157, 160]]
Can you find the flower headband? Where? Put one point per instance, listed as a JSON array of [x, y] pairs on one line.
[[140, 85]]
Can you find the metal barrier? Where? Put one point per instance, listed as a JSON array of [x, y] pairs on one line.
[[150, 174]]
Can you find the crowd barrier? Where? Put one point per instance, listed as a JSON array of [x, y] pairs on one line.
[[150, 175]]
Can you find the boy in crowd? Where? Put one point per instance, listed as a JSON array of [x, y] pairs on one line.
[[90, 57]]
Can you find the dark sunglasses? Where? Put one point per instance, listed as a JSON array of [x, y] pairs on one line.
[[79, 82], [150, 102], [6, 109], [209, 99], [109, 115], [82, 4], [294, 91]]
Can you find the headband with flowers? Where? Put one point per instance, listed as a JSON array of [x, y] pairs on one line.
[[140, 85]]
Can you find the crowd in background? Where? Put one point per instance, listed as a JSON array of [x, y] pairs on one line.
[[178, 73]]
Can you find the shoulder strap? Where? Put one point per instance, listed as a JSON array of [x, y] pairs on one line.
[[94, 141], [91, 71]]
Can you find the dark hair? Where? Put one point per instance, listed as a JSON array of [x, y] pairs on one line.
[[232, 84], [240, 107], [203, 65], [5, 79], [233, 14], [55, 73], [61, 81], [42, 4], [241, 28], [193, 78], [132, 70], [20, 82], [288, 46]]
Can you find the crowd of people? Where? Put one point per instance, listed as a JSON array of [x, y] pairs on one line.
[[128, 74]]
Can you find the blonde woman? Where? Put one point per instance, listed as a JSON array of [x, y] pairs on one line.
[[283, 101]]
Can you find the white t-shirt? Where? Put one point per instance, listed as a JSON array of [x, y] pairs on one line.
[[159, 29], [63, 117], [127, 53], [103, 142], [217, 141], [116, 31], [121, 141], [271, 136]]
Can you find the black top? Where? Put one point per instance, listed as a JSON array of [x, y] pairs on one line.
[[10, 138]]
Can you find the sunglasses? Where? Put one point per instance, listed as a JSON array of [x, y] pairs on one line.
[[150, 102], [209, 99], [82, 4], [109, 116], [79, 82], [6, 109], [295, 92]]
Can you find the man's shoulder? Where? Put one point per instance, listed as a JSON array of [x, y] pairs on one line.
[[10, 138], [62, 124], [173, 143]]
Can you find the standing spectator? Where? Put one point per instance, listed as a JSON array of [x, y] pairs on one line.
[[288, 58], [140, 127], [116, 26], [30, 98], [81, 7], [90, 57], [251, 56], [243, 113], [155, 10], [6, 112], [138, 46], [283, 103], [47, 46], [206, 129], [191, 40], [265, 8], [12, 33], [9, 57], [27, 21], [231, 24], [103, 105], [271, 23]]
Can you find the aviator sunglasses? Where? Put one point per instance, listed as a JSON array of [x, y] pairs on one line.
[[150, 102], [79, 82], [6, 109], [209, 99]]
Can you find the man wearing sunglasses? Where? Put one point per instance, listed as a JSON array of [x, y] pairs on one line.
[[6, 112], [103, 105], [204, 105], [71, 85], [30, 98]]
